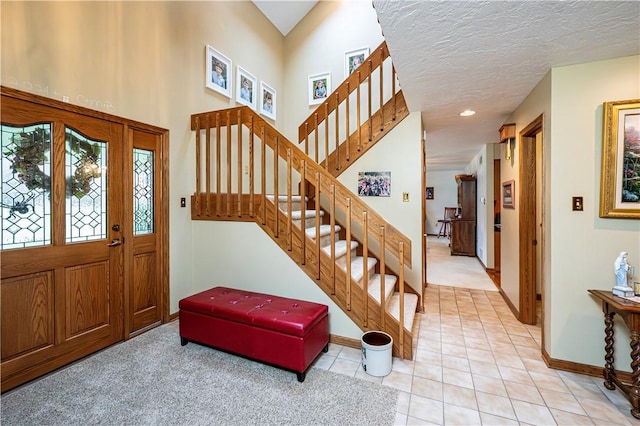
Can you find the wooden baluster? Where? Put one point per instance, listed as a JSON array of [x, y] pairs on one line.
[[251, 165], [306, 137], [276, 172], [383, 282], [303, 203], [198, 171], [207, 170], [369, 100], [401, 278], [332, 210], [317, 202], [289, 205], [326, 136], [347, 133], [381, 93], [393, 92], [315, 129], [263, 180], [365, 264], [337, 131], [239, 170], [218, 166], [358, 123], [348, 246], [229, 164]]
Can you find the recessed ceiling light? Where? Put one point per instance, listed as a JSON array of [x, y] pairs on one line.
[[467, 113]]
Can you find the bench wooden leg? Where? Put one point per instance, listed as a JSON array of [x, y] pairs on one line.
[[183, 341], [326, 348], [301, 376]]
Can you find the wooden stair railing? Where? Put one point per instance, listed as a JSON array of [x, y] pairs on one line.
[[242, 162], [337, 133]]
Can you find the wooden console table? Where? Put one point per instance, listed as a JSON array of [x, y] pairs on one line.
[[630, 313]]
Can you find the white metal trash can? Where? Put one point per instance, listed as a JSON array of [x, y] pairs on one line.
[[377, 348]]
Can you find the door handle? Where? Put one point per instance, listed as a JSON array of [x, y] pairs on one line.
[[115, 242]]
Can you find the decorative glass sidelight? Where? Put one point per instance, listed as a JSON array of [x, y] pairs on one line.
[[142, 191], [25, 186], [86, 188]]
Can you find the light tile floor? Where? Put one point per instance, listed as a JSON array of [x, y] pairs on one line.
[[476, 364]]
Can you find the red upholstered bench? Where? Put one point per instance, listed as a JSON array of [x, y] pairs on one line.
[[287, 333]]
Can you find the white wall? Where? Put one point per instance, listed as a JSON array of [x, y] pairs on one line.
[[445, 195], [584, 246], [482, 168]]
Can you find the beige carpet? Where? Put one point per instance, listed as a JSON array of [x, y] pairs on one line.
[[454, 271]]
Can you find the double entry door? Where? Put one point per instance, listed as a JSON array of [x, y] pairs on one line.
[[82, 233]]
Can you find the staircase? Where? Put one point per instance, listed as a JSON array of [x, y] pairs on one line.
[[247, 171]]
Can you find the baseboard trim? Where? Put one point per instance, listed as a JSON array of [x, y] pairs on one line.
[[345, 341], [509, 304], [575, 367]]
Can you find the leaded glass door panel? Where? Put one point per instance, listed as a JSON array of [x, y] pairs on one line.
[[62, 245]]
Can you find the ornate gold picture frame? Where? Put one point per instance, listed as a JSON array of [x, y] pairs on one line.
[[620, 178]]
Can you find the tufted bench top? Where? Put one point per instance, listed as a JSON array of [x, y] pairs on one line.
[[290, 316]]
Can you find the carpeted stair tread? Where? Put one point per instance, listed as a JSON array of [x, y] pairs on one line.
[[410, 305], [389, 284], [324, 231], [357, 270], [297, 214], [341, 248], [283, 198]]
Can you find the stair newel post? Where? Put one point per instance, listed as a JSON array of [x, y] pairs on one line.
[[239, 168], [347, 279], [315, 131], [365, 264], [347, 132], [289, 206], [381, 91], [369, 100], [401, 288], [198, 159], [229, 164], [317, 203], [251, 166], [383, 296], [326, 136], [358, 123], [303, 202], [337, 142], [263, 173], [218, 166], [276, 183], [332, 224]]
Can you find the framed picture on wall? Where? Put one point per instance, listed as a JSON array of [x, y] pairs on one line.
[[246, 88], [509, 194], [267, 101], [219, 73], [354, 59], [429, 192], [374, 184], [620, 177], [319, 88]]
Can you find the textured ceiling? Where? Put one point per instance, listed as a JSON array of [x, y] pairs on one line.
[[488, 56]]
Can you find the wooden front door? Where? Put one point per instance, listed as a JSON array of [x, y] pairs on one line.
[[84, 225]]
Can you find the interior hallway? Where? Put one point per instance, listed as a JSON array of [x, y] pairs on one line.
[[476, 364]]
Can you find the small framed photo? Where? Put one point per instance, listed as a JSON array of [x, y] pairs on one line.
[[374, 184], [319, 88], [246, 88], [509, 194], [267, 101], [353, 59], [219, 72], [429, 192]]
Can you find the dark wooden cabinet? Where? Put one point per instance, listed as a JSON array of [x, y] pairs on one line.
[[463, 227]]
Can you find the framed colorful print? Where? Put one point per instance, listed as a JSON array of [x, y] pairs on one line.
[[353, 59], [246, 88], [267, 101], [509, 194], [620, 175], [219, 72], [319, 88], [374, 184]]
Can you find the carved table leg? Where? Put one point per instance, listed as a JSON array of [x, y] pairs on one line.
[[608, 371], [634, 391]]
